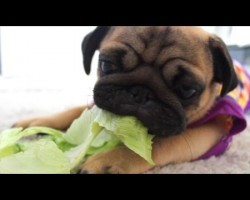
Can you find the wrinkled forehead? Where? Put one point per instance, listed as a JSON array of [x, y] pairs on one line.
[[142, 35], [156, 44]]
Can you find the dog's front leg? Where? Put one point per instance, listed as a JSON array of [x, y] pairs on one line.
[[192, 144], [61, 120], [185, 147]]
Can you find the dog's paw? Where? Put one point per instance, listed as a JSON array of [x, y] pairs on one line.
[[120, 160], [33, 122]]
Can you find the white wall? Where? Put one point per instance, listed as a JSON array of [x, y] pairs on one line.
[[42, 51], [232, 35], [49, 55], [53, 54]]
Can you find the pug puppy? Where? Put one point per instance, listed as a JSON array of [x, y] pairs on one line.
[[167, 77]]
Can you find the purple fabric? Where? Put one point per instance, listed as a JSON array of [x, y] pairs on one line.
[[248, 105], [224, 105]]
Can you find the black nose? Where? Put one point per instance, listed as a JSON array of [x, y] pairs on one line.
[[141, 94]]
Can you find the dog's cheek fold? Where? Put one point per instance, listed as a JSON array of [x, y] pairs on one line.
[[130, 61]]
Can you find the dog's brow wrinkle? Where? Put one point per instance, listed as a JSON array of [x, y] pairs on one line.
[[144, 41], [169, 44], [177, 58], [132, 48]]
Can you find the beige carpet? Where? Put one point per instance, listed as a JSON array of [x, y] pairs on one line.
[[21, 99]]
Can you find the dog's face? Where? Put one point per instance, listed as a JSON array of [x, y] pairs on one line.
[[168, 77]]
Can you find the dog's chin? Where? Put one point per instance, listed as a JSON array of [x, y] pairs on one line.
[[160, 118]]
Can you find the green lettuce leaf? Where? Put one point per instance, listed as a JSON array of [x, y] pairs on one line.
[[77, 154], [130, 131], [95, 131], [38, 157], [9, 138], [109, 144], [80, 129]]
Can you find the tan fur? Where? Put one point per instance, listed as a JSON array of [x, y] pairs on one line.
[[190, 47], [182, 45], [60, 121]]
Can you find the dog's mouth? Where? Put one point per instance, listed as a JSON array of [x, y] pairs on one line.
[[161, 118]]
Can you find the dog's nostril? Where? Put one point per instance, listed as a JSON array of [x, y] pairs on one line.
[[135, 91], [137, 94], [141, 94], [150, 96]]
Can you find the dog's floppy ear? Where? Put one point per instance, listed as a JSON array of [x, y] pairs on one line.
[[223, 65], [91, 43]]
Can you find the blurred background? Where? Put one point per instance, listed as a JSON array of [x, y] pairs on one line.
[[41, 69], [237, 39]]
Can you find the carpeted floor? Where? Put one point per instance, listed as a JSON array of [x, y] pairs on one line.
[[22, 99]]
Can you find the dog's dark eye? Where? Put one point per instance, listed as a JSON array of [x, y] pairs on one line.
[[186, 92], [107, 67]]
